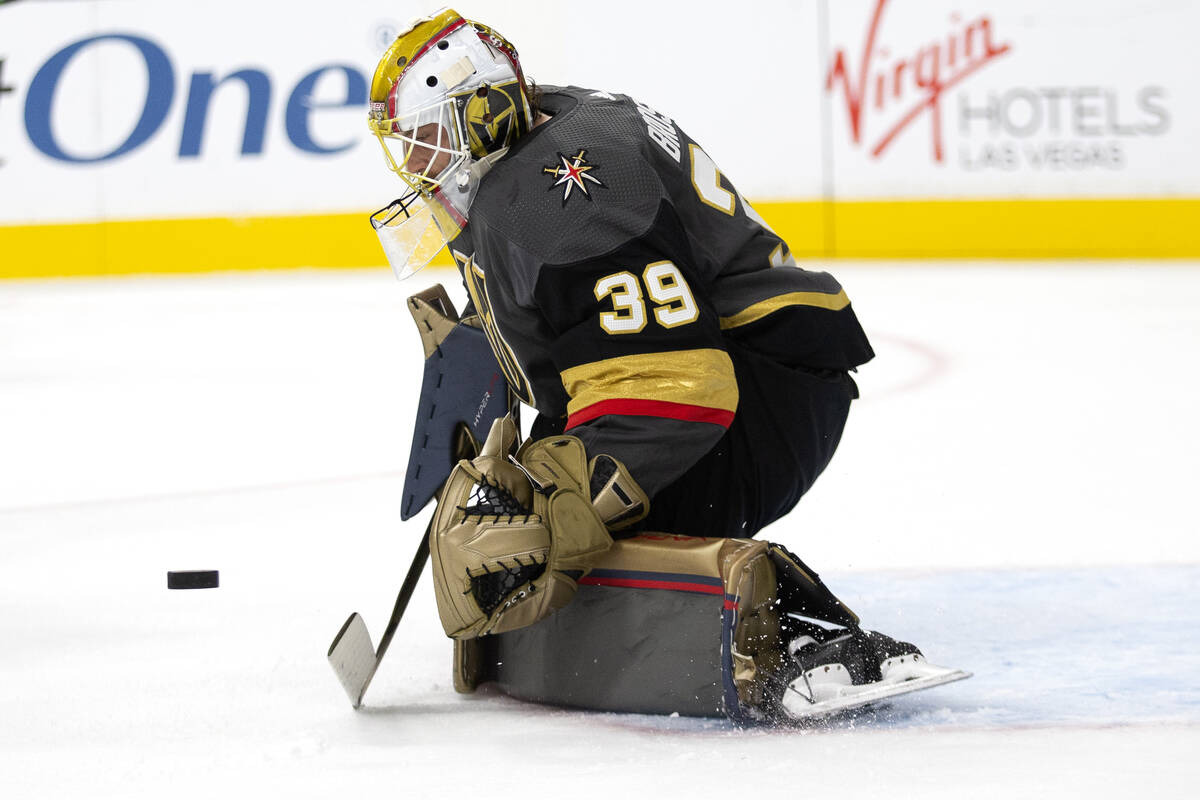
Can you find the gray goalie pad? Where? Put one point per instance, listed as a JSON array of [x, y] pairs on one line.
[[462, 383], [662, 624]]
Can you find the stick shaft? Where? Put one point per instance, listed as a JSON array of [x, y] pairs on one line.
[[406, 591], [352, 656]]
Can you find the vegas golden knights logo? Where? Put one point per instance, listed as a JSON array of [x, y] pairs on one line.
[[493, 115], [573, 172]]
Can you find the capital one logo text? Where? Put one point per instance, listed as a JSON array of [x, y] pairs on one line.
[[201, 87]]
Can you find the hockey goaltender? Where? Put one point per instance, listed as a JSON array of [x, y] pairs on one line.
[[690, 381]]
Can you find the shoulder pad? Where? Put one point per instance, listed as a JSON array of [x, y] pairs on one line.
[[579, 187]]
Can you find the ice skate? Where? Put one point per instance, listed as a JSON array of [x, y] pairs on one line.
[[847, 668]]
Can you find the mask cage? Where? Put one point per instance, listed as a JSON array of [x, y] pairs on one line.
[[424, 146]]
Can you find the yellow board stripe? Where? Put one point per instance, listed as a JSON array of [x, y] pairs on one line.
[[1042, 229], [832, 302], [1019, 229], [692, 377], [191, 245]]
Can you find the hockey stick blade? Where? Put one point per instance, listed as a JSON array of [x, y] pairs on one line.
[[353, 658], [352, 655]]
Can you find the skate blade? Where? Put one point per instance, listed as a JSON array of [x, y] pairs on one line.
[[798, 705]]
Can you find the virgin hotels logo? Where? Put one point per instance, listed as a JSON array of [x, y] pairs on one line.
[[875, 85], [1035, 121]]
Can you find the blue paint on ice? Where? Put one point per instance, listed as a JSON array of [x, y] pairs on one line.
[[1049, 647]]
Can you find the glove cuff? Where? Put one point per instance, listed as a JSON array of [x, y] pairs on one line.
[[616, 496]]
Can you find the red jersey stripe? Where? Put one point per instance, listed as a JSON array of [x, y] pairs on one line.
[[652, 408]]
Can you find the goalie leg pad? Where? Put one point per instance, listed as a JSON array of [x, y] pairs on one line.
[[662, 624]]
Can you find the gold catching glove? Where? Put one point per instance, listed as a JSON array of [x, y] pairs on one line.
[[512, 536]]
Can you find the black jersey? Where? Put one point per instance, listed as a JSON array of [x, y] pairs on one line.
[[615, 267]]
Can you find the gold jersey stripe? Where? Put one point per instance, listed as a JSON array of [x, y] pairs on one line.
[[832, 302], [692, 377]]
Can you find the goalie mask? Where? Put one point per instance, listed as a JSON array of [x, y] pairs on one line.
[[447, 100]]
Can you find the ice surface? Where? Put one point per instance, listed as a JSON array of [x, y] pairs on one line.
[[1014, 493]]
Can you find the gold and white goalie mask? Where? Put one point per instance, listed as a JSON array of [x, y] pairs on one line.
[[447, 100]]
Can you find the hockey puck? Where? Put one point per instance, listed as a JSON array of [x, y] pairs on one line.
[[193, 579]]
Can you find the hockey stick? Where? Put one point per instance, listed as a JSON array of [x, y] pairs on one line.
[[353, 658], [460, 378]]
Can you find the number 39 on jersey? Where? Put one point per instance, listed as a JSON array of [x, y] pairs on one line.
[[672, 301]]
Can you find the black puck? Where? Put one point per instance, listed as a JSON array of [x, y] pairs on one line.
[[193, 579]]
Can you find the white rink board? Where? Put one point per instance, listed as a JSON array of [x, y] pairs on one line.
[[104, 90], [1086, 99], [1016, 98], [101, 92]]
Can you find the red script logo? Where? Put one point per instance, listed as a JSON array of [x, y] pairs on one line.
[[934, 68]]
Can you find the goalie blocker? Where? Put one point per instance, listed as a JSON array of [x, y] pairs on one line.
[[665, 624]]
